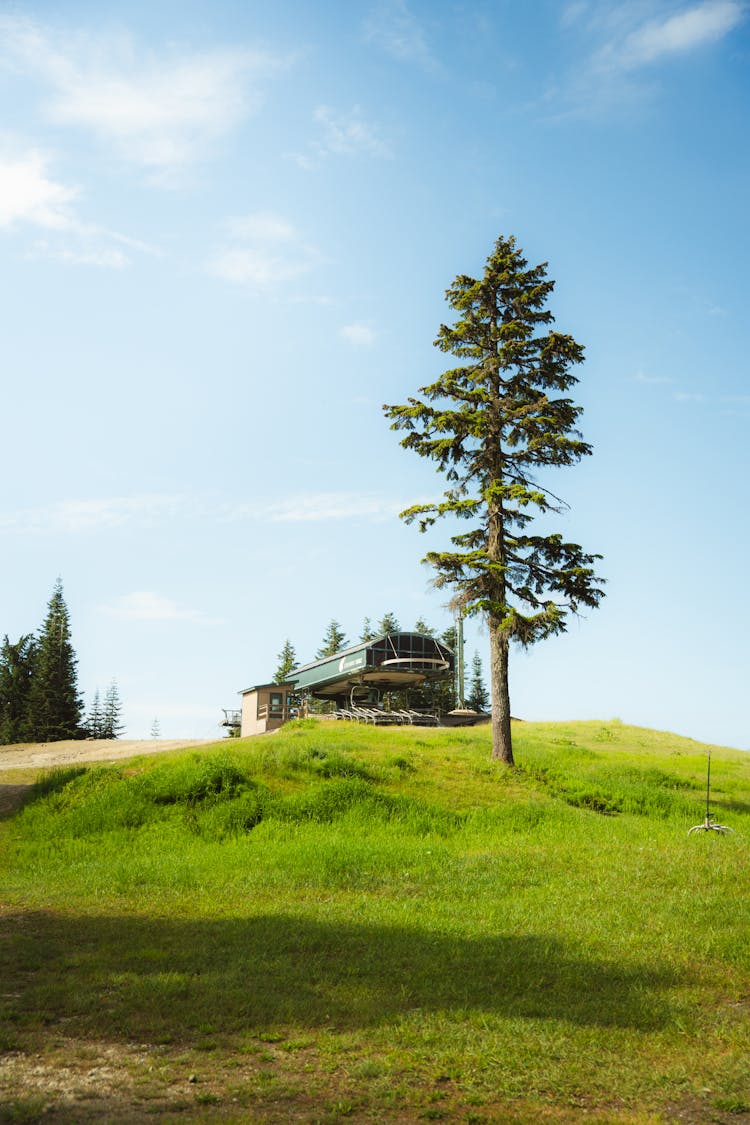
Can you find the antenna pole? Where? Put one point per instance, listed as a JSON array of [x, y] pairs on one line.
[[708, 785], [709, 825]]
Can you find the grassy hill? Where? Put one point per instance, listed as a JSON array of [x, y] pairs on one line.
[[339, 923]]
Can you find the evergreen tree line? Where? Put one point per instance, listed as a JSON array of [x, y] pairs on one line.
[[39, 696], [434, 696]]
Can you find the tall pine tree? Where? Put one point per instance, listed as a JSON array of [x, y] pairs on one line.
[[54, 703], [492, 424]]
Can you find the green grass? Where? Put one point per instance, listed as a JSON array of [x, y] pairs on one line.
[[344, 923]]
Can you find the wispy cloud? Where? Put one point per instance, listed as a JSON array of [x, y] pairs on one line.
[[393, 27], [676, 34], [622, 44], [342, 134], [145, 605], [104, 514], [347, 134], [265, 251], [30, 194], [71, 517], [263, 226], [251, 265], [573, 12], [160, 111], [102, 258], [729, 402], [320, 507], [360, 335], [642, 377]]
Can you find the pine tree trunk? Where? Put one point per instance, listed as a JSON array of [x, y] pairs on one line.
[[502, 744]]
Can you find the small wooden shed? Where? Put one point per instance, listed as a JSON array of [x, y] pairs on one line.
[[266, 707]]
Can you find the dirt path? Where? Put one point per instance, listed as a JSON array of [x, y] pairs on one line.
[[47, 755]]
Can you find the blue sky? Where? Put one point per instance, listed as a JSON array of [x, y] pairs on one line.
[[226, 230]]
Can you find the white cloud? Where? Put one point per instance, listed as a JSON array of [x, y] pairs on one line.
[[623, 41], [342, 134], [685, 31], [87, 515], [28, 194], [144, 605], [264, 226], [641, 377], [679, 33], [361, 335], [394, 28], [160, 111], [348, 134], [266, 252], [31, 196], [688, 396], [72, 517], [91, 516], [574, 12], [324, 506], [102, 258], [254, 267]]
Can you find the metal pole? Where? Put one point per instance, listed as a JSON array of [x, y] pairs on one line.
[[459, 659]]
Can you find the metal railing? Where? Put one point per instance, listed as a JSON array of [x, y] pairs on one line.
[[283, 713]]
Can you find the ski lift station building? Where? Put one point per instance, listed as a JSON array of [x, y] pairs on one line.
[[361, 673]]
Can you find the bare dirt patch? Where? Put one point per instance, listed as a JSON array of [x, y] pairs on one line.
[[48, 755]]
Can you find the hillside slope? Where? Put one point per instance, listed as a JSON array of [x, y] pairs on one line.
[[345, 923]]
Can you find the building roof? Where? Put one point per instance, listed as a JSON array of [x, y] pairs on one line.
[[388, 662], [260, 687]]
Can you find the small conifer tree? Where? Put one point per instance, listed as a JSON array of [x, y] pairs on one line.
[[333, 641], [95, 721], [478, 697], [388, 624], [112, 725], [367, 630], [287, 659]]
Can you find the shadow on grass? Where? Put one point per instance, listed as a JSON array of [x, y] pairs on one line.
[[182, 980], [13, 798]]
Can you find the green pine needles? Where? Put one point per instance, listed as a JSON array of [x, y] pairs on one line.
[[55, 706], [493, 425]]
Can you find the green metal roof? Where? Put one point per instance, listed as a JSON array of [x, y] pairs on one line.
[[387, 662]]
